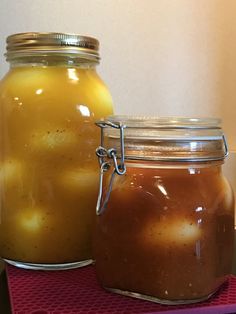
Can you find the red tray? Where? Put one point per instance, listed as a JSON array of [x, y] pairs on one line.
[[77, 291]]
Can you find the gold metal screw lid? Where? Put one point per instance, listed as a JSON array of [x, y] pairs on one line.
[[52, 43]]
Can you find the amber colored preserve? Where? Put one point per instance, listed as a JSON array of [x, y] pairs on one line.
[[48, 170], [167, 233], [165, 217]]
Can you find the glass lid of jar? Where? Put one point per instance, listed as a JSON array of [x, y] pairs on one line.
[[164, 138], [157, 128], [165, 122]]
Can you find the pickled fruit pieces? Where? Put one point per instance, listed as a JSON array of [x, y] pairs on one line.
[[52, 139], [47, 121], [178, 232], [32, 219], [79, 178], [9, 170]]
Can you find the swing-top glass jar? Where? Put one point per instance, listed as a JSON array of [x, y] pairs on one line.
[[165, 212], [49, 101]]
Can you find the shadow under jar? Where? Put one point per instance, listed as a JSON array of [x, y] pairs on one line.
[[165, 212], [49, 101]]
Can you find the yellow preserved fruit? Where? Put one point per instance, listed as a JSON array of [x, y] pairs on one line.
[[9, 171], [48, 167], [79, 179], [52, 140]]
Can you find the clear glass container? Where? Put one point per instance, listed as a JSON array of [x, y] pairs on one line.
[[49, 101], [165, 212]]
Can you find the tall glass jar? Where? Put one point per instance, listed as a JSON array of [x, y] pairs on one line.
[[49, 101], [165, 212]]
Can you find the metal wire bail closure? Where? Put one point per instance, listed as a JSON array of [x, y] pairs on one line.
[[110, 154], [225, 146]]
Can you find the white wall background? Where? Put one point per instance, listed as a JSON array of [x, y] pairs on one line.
[[165, 57]]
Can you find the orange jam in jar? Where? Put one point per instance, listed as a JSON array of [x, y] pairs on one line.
[[49, 101], [165, 213]]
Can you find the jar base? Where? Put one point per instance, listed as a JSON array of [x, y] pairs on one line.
[[157, 300], [64, 266]]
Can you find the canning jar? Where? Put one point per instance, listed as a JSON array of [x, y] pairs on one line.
[[165, 212], [49, 101]]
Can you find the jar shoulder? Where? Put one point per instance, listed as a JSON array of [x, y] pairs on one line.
[[53, 75], [207, 188], [54, 86]]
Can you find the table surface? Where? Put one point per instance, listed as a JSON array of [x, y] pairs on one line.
[[4, 296]]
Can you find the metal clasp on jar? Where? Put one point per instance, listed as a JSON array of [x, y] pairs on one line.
[[104, 157]]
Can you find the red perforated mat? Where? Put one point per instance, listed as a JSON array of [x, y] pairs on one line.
[[77, 291]]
